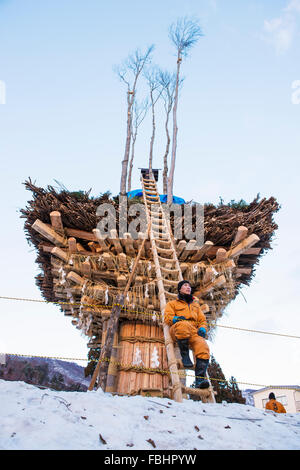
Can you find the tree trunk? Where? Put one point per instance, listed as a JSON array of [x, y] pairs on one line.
[[131, 162], [174, 139], [165, 170], [153, 135], [127, 147]]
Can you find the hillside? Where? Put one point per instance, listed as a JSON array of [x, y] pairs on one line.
[[50, 373], [35, 419]]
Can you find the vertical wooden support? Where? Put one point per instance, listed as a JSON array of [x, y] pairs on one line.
[[241, 234], [112, 372], [115, 241], [56, 222], [72, 245]]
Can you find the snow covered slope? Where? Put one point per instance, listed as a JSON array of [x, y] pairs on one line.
[[32, 418]]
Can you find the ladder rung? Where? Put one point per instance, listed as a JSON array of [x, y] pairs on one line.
[[164, 242], [155, 216], [169, 271], [158, 227], [165, 251], [156, 220], [152, 198], [151, 193], [159, 234], [166, 260]]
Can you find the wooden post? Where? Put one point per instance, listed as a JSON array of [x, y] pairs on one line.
[[221, 255], [72, 245], [56, 222], [241, 234], [112, 368]]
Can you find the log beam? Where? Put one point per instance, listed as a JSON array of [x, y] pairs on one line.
[[75, 278], [241, 234], [189, 250], [246, 271], [88, 236], [59, 253], [218, 282], [56, 222], [49, 233], [202, 251], [243, 246]]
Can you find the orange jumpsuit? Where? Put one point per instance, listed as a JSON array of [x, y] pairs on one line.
[[188, 328], [276, 406]]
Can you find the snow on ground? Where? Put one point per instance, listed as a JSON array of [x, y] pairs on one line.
[[35, 419]]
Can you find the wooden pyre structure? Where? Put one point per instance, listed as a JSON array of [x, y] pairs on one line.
[[86, 274]]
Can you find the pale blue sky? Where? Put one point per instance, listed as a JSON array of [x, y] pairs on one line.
[[64, 119]]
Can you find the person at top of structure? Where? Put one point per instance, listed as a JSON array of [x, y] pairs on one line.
[[275, 405], [188, 327]]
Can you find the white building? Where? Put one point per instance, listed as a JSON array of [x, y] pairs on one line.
[[288, 395]]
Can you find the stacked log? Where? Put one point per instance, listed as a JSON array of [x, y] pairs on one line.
[[142, 360]]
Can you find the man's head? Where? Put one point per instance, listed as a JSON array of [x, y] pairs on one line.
[[271, 396], [184, 287]]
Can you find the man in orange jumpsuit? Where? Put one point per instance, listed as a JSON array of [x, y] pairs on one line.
[[275, 405], [188, 327]]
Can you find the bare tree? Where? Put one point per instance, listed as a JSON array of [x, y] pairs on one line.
[[129, 73], [167, 82], [139, 113], [155, 91], [184, 34]]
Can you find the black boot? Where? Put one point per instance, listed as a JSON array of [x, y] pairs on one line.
[[184, 351], [200, 373]]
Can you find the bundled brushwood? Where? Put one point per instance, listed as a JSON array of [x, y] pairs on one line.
[[78, 211]]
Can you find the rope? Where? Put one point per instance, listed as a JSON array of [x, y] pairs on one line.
[[141, 339], [258, 331], [158, 315], [142, 369], [97, 306]]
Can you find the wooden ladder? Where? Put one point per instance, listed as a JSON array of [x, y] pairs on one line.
[[168, 274]]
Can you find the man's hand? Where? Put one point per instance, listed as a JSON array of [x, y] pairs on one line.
[[176, 319], [202, 332]]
